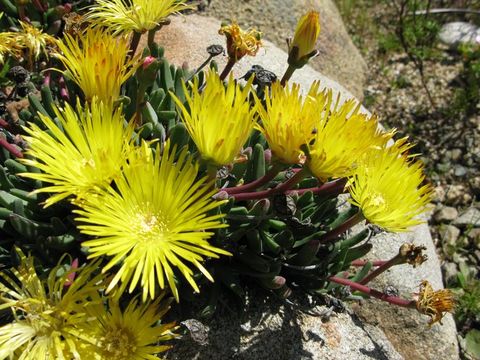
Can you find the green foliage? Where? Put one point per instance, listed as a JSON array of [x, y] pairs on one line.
[[467, 96], [468, 291]]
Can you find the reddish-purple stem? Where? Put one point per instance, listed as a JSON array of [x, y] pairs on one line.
[[254, 184], [394, 300], [361, 263], [387, 265], [334, 187], [11, 148], [333, 234], [294, 180], [46, 79], [63, 89]]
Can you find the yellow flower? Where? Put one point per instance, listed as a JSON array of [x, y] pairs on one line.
[[86, 156], [434, 303], [97, 62], [305, 38], [240, 42], [343, 135], [47, 314], [387, 188], [123, 16], [155, 220], [131, 334], [289, 121], [34, 40], [8, 45], [219, 119]]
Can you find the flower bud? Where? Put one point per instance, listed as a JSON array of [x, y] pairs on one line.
[[302, 47]]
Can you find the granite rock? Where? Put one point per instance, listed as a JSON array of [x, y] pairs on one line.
[[471, 217], [459, 32]]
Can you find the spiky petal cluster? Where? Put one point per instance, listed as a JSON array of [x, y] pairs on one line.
[[343, 135], [289, 121], [83, 157], [434, 303], [34, 40], [154, 221], [219, 118], [97, 62], [240, 42], [387, 187], [8, 45], [47, 315], [130, 334], [122, 16]]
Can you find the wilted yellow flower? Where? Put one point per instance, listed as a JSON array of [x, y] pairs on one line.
[[156, 220], [97, 62], [343, 135], [219, 119], [34, 40], [83, 158], [305, 38], [8, 45], [130, 334], [434, 303], [387, 187], [47, 314], [240, 42], [289, 121], [134, 15]]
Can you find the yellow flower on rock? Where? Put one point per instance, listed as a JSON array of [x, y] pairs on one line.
[[130, 334], [123, 16], [83, 158], [240, 42], [47, 314], [289, 121], [434, 303], [343, 135], [219, 119], [387, 187], [98, 62], [155, 221], [34, 40], [305, 38]]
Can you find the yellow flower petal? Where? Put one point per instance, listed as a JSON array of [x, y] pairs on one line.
[[155, 221]]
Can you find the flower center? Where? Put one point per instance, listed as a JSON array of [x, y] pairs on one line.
[[378, 200], [151, 226], [119, 343]]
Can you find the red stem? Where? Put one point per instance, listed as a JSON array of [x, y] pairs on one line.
[[394, 300], [294, 180], [254, 184], [387, 265], [361, 263], [11, 148], [334, 187], [63, 89], [333, 234]]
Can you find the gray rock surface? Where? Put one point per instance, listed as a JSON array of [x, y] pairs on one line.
[[445, 213], [339, 59], [459, 32], [268, 331], [471, 217], [281, 333]]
